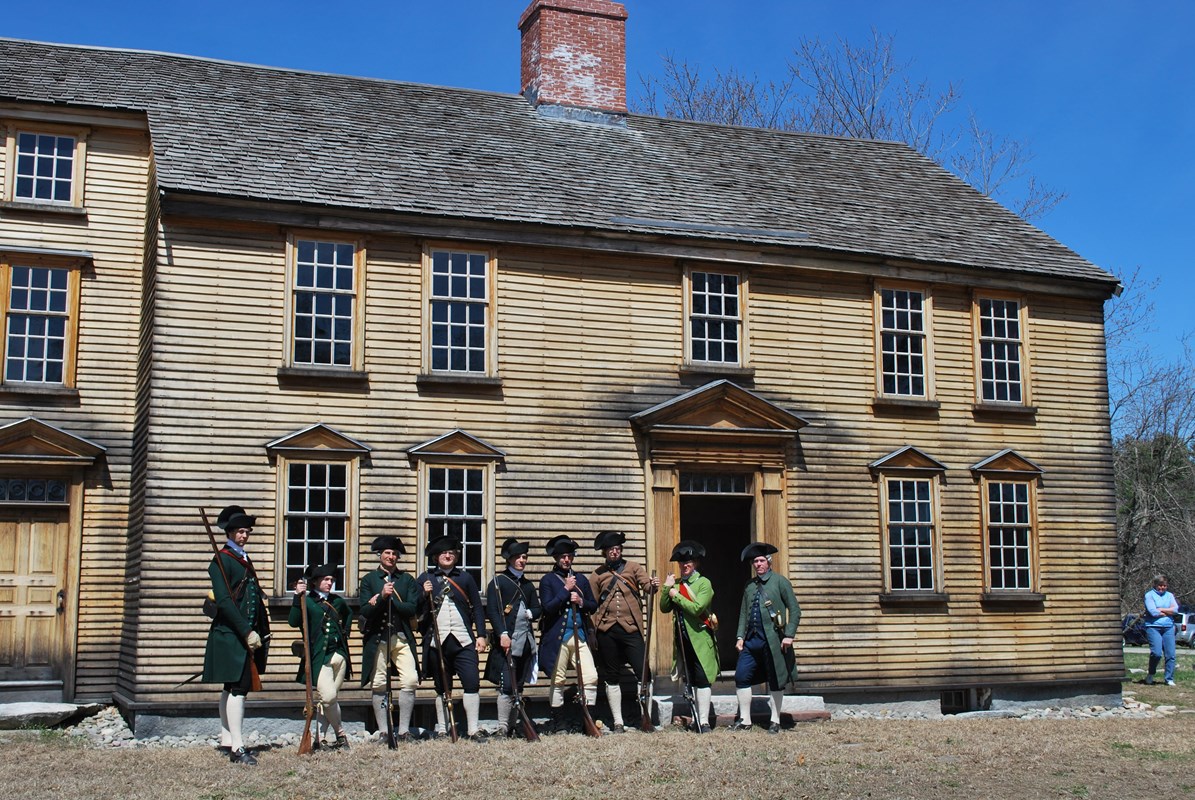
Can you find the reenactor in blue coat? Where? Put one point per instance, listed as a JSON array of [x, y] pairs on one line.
[[236, 650], [389, 601], [452, 596], [328, 622], [768, 619], [567, 602], [512, 605]]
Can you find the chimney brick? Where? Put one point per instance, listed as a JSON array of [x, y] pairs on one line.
[[574, 54]]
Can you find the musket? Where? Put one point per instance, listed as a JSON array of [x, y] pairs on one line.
[[447, 682], [587, 724], [391, 742], [686, 682], [309, 708], [645, 688], [254, 675], [199, 674], [529, 732]]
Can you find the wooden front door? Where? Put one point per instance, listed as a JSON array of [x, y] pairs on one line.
[[34, 554]]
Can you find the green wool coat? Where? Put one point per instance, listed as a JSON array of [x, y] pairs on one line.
[[328, 631], [784, 605], [692, 612], [237, 613], [373, 618]]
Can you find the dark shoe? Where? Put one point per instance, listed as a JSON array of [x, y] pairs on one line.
[[1149, 680], [402, 737], [315, 744], [774, 727], [618, 728], [224, 750], [342, 742], [704, 729], [242, 756], [742, 726]]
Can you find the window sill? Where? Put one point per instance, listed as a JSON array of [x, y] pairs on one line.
[[889, 403], [25, 206], [34, 391], [914, 598], [1004, 410], [459, 381], [1012, 598], [697, 369], [324, 377]]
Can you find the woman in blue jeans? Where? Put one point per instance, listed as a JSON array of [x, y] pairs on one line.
[[1160, 608]]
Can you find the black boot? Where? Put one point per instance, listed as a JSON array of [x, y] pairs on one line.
[[558, 722], [242, 756]]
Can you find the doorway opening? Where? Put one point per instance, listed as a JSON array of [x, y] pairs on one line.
[[716, 511]]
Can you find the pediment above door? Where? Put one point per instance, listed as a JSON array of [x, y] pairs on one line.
[[32, 442]]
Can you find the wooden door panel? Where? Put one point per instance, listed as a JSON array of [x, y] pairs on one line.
[[33, 559]]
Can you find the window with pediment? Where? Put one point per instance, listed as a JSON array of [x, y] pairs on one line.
[[909, 488], [1008, 498]]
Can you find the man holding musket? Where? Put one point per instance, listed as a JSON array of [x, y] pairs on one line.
[[327, 622], [389, 600], [768, 620], [620, 586], [567, 599], [236, 650], [512, 605], [452, 596]]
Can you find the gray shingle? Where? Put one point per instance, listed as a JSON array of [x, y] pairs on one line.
[[282, 135]]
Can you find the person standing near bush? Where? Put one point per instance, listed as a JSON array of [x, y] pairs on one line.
[[1160, 608], [328, 623]]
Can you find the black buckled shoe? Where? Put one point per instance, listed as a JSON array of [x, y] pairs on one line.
[[242, 756], [774, 727], [342, 742], [742, 726]]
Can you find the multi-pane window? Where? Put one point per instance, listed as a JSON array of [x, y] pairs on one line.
[[324, 303], [1010, 535], [317, 518], [456, 506], [902, 342], [1000, 346], [715, 318], [459, 311], [910, 534], [45, 168], [37, 325]]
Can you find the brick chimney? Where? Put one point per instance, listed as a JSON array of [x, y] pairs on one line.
[[574, 54]]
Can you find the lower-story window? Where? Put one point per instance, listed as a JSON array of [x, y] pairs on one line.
[[317, 518], [1009, 534], [910, 535], [456, 506]]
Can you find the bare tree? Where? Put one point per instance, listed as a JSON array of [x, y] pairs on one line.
[[862, 92]]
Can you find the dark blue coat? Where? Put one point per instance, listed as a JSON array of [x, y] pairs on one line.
[[554, 598]]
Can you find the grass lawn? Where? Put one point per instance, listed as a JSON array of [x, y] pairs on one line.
[[1182, 695]]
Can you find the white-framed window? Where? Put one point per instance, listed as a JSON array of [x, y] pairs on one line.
[[45, 164], [714, 309], [912, 534], [903, 317], [317, 520], [459, 323], [40, 318], [325, 319], [1000, 346], [1008, 521]]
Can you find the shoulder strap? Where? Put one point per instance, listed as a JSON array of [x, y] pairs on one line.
[[457, 586]]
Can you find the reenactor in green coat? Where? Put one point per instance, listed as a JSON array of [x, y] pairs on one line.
[[768, 620], [328, 621], [236, 651], [389, 598], [690, 594]]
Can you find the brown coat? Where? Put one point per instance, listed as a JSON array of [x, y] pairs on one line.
[[623, 604]]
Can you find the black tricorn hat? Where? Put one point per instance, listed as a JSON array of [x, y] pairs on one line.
[[226, 515], [607, 539], [687, 550], [238, 520], [316, 571], [513, 547], [560, 545], [388, 543], [756, 549], [441, 545]]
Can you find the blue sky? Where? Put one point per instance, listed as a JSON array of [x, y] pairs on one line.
[[1103, 90]]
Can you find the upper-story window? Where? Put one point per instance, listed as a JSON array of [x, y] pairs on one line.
[[459, 323], [903, 325], [714, 309], [45, 165], [1001, 349], [40, 311], [325, 309]]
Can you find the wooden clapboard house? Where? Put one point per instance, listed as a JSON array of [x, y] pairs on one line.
[[359, 307]]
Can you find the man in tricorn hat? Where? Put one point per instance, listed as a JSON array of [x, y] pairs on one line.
[[567, 600], [389, 601], [691, 594], [451, 594], [328, 622], [768, 620], [621, 587], [512, 605], [236, 639]]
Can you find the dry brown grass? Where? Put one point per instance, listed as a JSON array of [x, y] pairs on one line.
[[974, 759]]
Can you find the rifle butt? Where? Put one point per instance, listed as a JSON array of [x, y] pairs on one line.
[[529, 731], [305, 741], [591, 728]]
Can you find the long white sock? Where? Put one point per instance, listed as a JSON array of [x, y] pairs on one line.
[[235, 711], [379, 711], [472, 703], [505, 707], [777, 702], [225, 735], [744, 697], [332, 718], [406, 704], [704, 697], [614, 697], [441, 715], [556, 698]]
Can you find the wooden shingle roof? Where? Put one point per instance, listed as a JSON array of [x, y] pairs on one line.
[[270, 134]]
